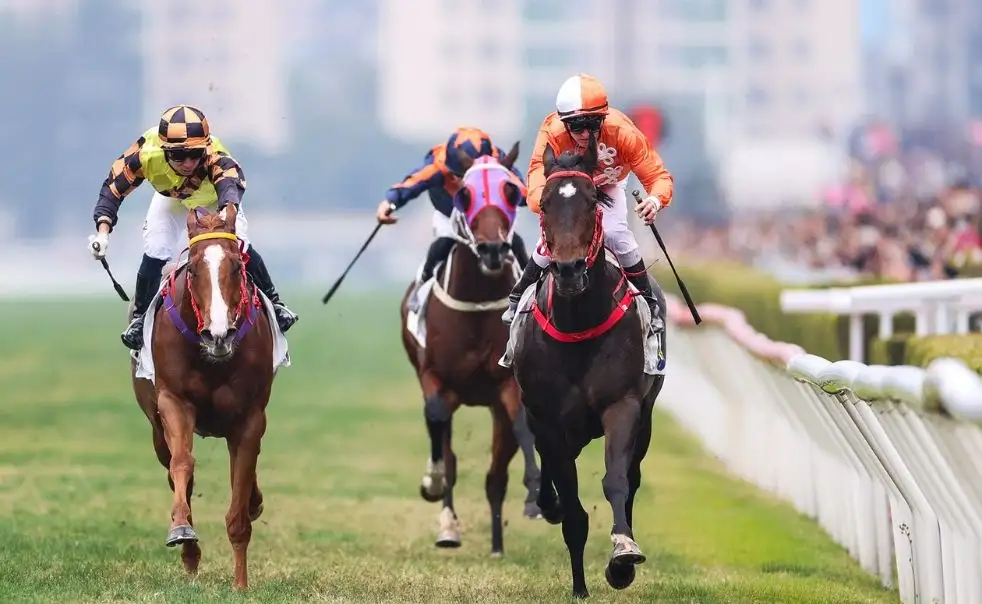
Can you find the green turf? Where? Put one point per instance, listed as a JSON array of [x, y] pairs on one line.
[[84, 506]]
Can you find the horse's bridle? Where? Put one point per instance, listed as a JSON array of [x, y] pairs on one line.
[[245, 304], [461, 230], [596, 243]]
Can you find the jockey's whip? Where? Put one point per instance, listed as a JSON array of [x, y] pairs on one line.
[[119, 288], [337, 284], [661, 244]]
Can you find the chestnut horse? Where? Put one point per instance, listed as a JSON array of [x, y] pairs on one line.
[[580, 363], [212, 353], [464, 338]]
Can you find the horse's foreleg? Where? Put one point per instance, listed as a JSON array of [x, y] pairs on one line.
[[511, 399], [449, 535], [243, 447], [547, 500], [621, 424], [503, 448], [641, 443], [190, 550], [177, 418], [437, 413], [576, 522]]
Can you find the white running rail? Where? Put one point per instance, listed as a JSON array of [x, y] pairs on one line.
[[939, 307], [887, 459]]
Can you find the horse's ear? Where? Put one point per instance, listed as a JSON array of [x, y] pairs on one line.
[[548, 160], [228, 215], [589, 157], [466, 161], [463, 199], [513, 194], [194, 220], [509, 159]]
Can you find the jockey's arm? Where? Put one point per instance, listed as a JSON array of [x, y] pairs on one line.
[[227, 176], [125, 175], [537, 177], [648, 166], [422, 179]]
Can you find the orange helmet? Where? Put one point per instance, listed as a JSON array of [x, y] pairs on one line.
[[581, 96], [183, 127]]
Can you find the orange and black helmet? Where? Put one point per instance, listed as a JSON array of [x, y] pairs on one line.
[[184, 127], [472, 141]]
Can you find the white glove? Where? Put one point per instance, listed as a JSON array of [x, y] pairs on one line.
[[98, 244], [648, 208]]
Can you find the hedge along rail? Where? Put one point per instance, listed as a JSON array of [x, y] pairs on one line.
[[887, 459], [939, 307]]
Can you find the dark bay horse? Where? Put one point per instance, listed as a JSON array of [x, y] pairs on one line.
[[212, 352], [580, 366], [464, 338]]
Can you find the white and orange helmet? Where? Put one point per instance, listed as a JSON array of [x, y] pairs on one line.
[[581, 96]]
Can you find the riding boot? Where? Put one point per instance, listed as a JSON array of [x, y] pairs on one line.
[[518, 248], [637, 274], [147, 284], [256, 268], [529, 276], [438, 252]]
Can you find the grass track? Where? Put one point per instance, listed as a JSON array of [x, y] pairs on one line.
[[84, 506]]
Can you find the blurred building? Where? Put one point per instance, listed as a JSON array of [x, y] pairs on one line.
[[763, 68], [926, 70], [226, 57]]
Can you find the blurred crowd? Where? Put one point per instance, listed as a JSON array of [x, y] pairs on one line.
[[908, 215]]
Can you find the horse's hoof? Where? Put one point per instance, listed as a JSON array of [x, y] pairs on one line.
[[448, 539], [626, 551], [255, 514], [497, 554], [581, 594], [619, 576], [427, 496], [181, 534], [532, 511]]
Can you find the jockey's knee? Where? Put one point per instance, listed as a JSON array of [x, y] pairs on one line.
[[624, 246], [157, 250], [151, 267]]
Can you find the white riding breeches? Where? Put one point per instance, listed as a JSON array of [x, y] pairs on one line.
[[617, 232], [441, 226], [165, 232]]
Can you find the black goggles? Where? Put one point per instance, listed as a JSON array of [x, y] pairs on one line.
[[179, 155], [579, 124]]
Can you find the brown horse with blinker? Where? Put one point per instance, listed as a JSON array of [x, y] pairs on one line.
[[212, 347], [464, 339], [580, 363]]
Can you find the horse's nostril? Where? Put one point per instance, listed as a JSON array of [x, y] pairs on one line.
[[579, 265]]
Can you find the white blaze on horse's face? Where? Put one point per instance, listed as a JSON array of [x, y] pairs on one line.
[[218, 309], [567, 190]]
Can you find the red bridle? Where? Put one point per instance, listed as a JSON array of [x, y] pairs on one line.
[[596, 243]]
